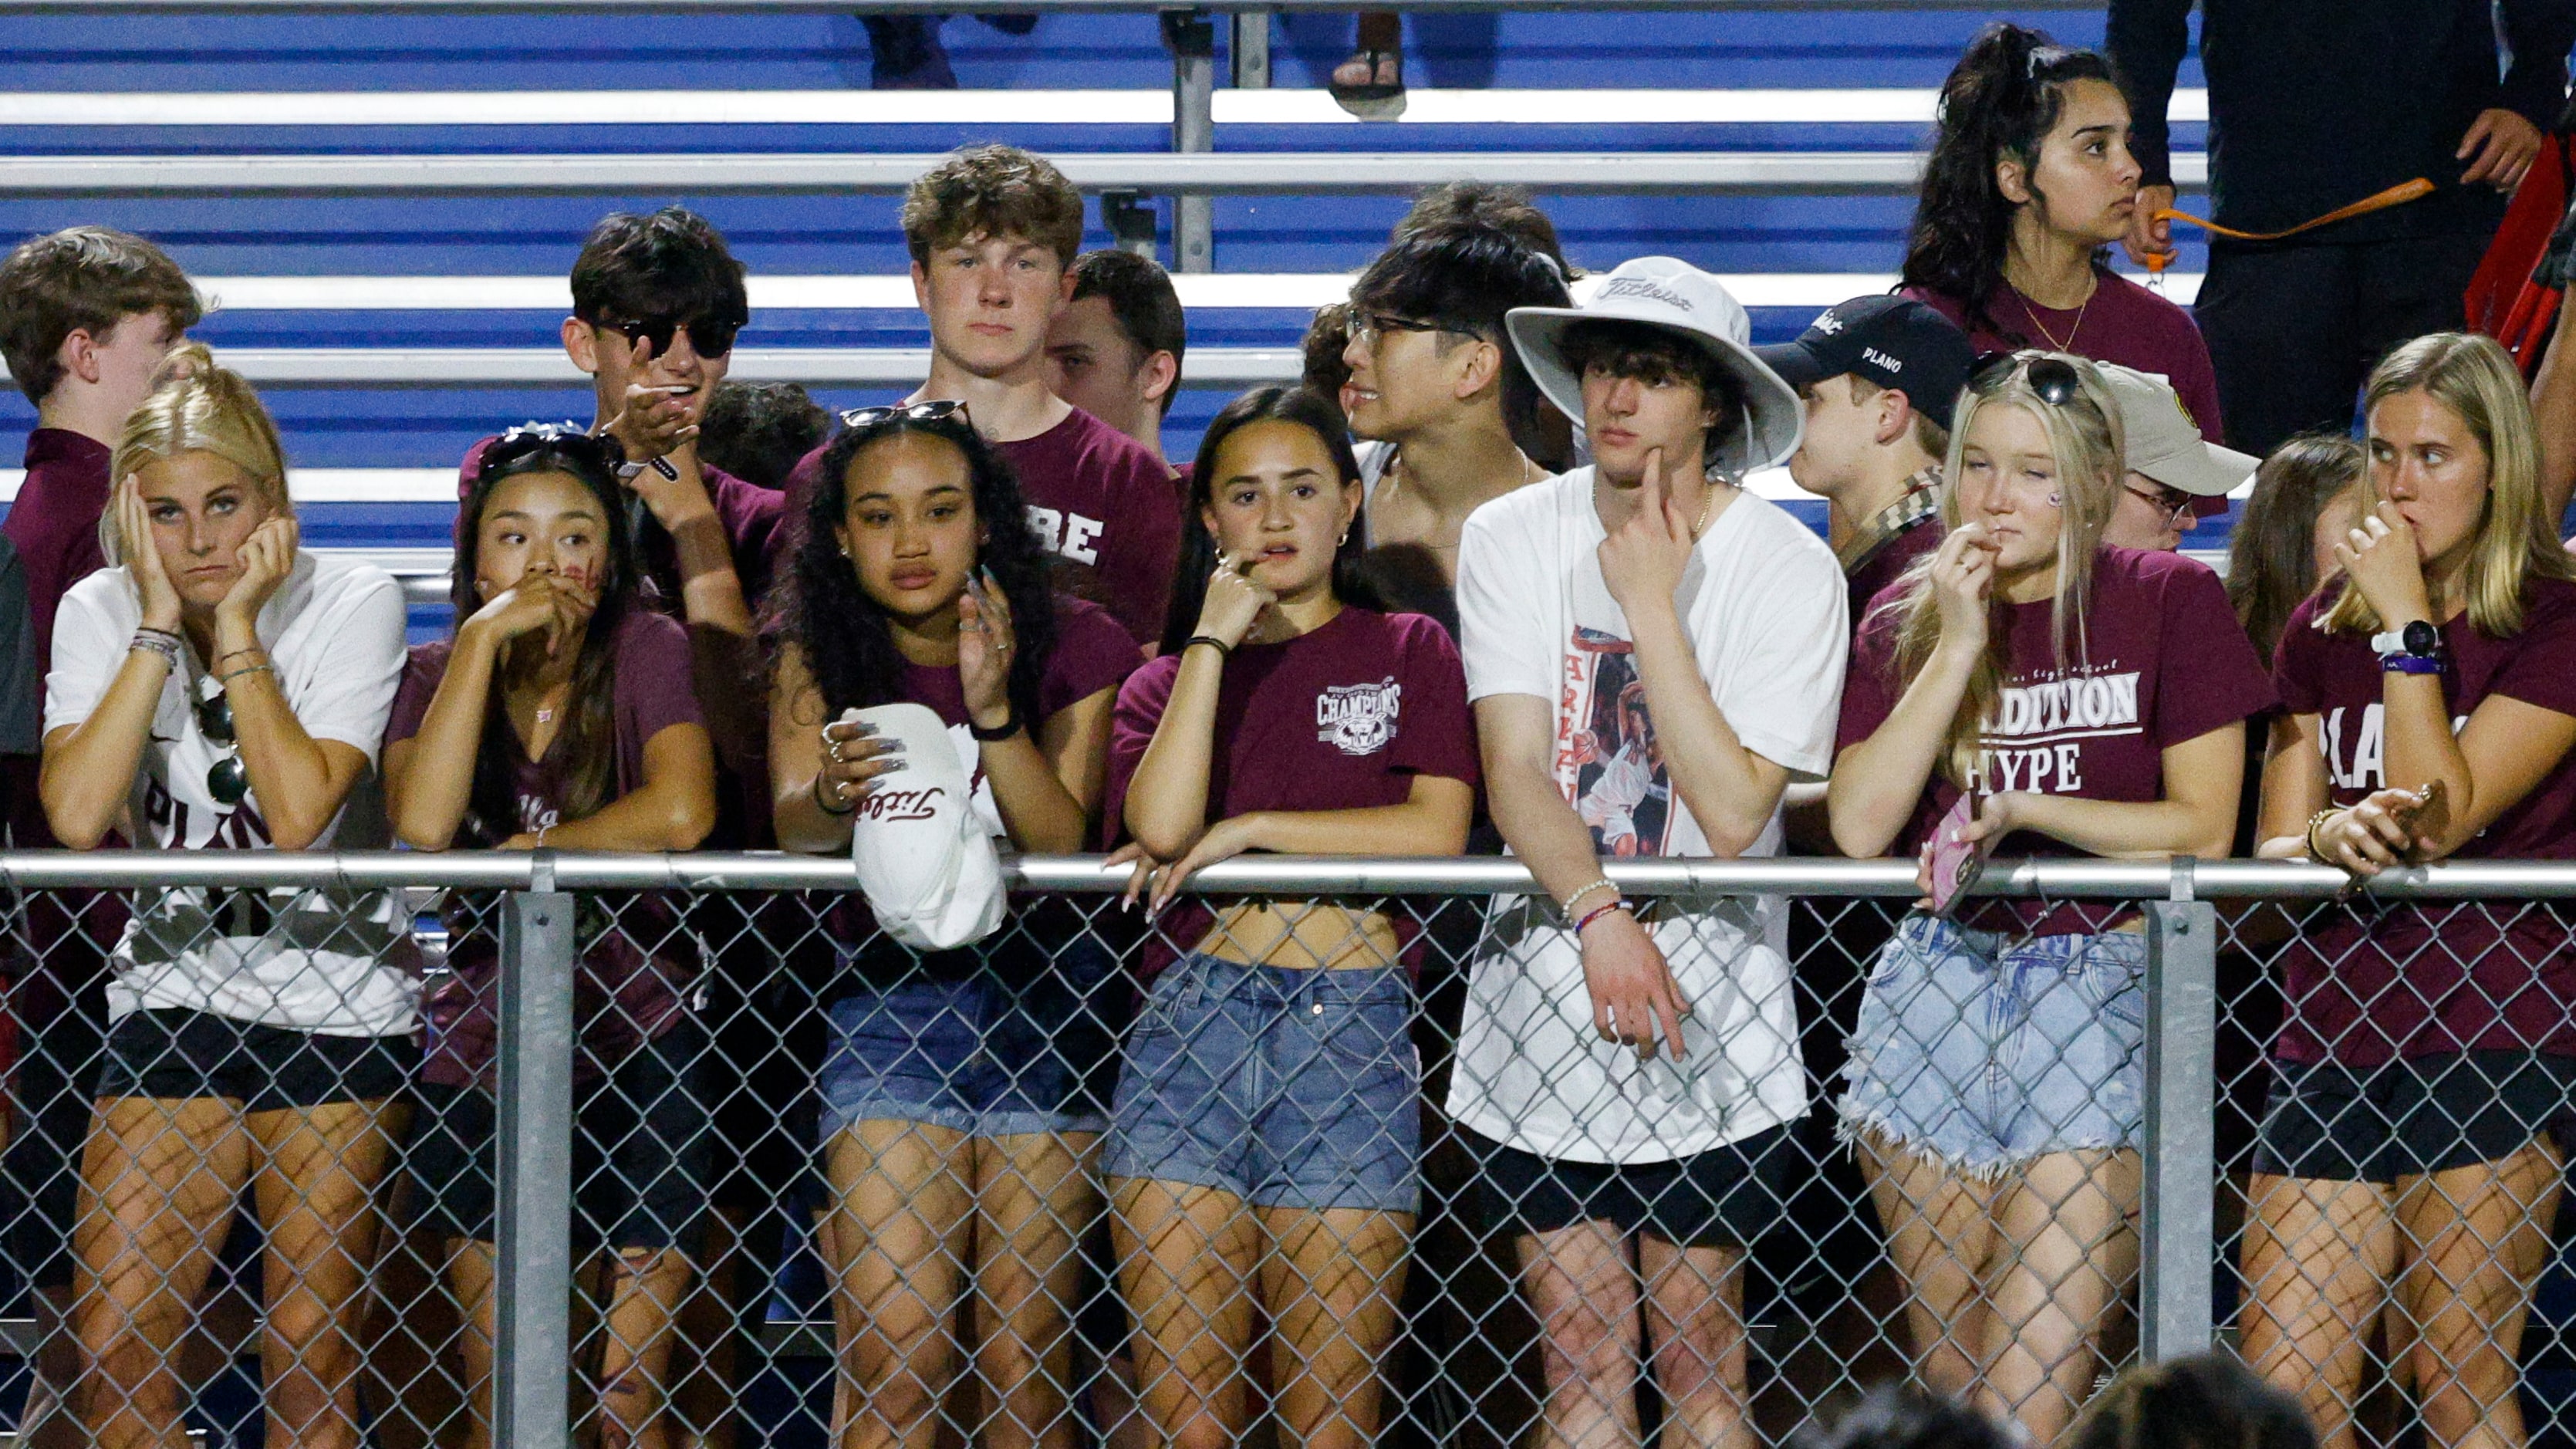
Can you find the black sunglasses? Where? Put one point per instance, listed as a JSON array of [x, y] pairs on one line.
[[566, 438], [2054, 379], [227, 780], [936, 411], [708, 337]]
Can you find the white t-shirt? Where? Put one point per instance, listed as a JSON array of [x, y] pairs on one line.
[[318, 961], [1763, 602]]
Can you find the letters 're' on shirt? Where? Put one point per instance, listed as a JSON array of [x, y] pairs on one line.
[[2366, 982], [2160, 660]]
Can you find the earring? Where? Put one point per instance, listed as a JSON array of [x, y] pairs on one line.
[[2053, 500], [1345, 538]]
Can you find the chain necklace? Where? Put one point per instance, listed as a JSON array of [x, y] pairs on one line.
[[2030, 309], [1392, 478]]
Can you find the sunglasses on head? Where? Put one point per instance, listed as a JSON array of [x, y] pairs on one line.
[[227, 780], [2054, 379], [937, 411], [707, 337], [564, 438]]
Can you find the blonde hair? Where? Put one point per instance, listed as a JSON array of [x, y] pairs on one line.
[[197, 407], [2084, 438], [2516, 540]]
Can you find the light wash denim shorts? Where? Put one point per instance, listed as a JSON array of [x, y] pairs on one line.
[[1286, 1087], [1984, 1051], [989, 1054]]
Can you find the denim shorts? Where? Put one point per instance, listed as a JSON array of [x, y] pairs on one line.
[[989, 1053], [1285, 1087], [1983, 1050]]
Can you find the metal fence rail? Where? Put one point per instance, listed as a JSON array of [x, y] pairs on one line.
[[1462, 1355]]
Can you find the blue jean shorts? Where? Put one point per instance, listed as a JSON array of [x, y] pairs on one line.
[[1285, 1087], [986, 1053], [1984, 1051]]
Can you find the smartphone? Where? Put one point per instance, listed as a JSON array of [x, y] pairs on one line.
[[1956, 863], [2429, 815]]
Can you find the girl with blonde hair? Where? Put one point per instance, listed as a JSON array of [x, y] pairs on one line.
[[2035, 689], [220, 689], [2403, 1166]]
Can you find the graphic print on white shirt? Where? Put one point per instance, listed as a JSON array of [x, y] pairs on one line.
[[1359, 719], [1608, 761]]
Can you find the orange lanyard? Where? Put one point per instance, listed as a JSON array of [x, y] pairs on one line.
[[2398, 195]]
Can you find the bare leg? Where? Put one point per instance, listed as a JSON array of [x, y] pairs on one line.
[[159, 1179], [1695, 1312], [2065, 1254], [2480, 1237], [897, 1244], [1034, 1200], [1186, 1256], [317, 1198], [646, 1287], [706, 1359], [1332, 1281], [1584, 1291], [472, 1273], [2318, 1259], [1940, 1237]]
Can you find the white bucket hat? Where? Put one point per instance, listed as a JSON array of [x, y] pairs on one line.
[[1669, 293], [924, 854]]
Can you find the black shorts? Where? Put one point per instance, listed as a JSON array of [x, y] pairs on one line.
[[179, 1055], [1725, 1197], [641, 1154], [2338, 1123]]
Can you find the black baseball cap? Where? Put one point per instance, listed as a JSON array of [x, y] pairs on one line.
[[1893, 341]]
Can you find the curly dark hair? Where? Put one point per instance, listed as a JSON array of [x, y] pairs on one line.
[[1273, 403], [2001, 100], [848, 645], [589, 738], [759, 431]]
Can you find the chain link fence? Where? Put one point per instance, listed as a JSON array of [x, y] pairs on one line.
[[682, 1153]]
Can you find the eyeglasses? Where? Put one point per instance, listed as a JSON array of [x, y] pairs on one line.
[[1368, 327], [708, 337], [2054, 379], [945, 410], [227, 780], [2172, 503], [566, 438]]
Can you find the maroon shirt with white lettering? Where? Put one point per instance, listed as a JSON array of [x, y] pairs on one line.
[[1341, 718], [2161, 660], [638, 964], [2364, 982], [1103, 504]]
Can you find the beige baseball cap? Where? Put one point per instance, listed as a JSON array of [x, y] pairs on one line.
[[2164, 443]]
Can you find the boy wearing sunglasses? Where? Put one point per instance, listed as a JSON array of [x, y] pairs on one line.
[[2172, 478], [993, 231]]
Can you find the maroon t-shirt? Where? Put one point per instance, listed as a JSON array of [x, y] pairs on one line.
[[750, 514], [1091, 653], [1103, 504], [2122, 322], [2366, 982], [1341, 718], [637, 963], [54, 524], [2161, 661]]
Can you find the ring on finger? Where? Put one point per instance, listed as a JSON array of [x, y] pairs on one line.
[[832, 747]]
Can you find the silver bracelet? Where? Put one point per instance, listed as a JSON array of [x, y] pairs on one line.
[[159, 641]]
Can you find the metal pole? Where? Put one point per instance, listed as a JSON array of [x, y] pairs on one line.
[[1252, 50], [2181, 1167], [1192, 39], [530, 1405]]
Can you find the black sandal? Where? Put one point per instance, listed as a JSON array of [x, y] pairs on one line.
[[1374, 91]]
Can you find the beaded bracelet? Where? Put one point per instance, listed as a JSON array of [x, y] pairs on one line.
[[1567, 905], [2313, 822], [1596, 913], [159, 641]]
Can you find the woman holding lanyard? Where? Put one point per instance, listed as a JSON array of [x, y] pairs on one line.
[[1265, 1139], [2032, 690], [561, 715], [2030, 178], [221, 689], [958, 1114], [2404, 1166]]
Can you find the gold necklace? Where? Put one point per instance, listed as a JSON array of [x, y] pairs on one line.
[[2030, 309]]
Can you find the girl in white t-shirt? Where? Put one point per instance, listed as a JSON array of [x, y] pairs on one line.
[[224, 691]]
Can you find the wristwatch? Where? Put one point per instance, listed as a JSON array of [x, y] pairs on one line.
[[2415, 649], [626, 471]]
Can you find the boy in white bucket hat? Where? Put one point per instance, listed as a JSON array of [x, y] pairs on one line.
[[1653, 654]]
